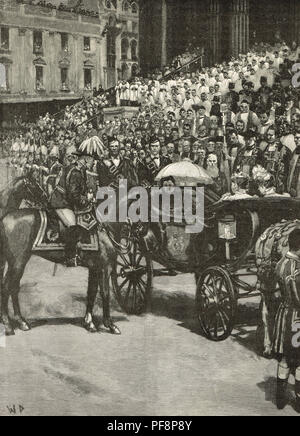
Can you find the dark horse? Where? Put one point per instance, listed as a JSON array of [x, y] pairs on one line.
[[18, 231]]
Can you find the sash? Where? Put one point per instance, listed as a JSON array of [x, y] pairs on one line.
[[293, 165]]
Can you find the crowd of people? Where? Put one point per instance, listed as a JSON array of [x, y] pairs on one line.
[[239, 120], [76, 8]]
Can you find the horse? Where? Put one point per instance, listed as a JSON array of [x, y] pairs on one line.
[[18, 231], [270, 248], [11, 197]]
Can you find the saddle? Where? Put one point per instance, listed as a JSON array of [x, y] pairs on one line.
[[51, 233]]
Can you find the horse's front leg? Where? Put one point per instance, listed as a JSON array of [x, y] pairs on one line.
[[9, 330], [91, 298], [265, 311], [104, 277]]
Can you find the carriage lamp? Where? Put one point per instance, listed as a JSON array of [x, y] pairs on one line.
[[227, 232]]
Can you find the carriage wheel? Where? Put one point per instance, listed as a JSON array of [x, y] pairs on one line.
[[216, 304], [133, 279]]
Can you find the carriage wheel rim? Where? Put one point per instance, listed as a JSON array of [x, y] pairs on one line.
[[136, 271], [216, 305]]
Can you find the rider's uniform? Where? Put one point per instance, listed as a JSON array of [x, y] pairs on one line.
[[276, 162], [70, 194], [288, 315]]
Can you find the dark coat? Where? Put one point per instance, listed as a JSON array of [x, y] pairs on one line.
[[71, 190], [148, 170], [109, 174]]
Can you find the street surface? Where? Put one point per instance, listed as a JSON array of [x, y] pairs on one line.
[[160, 365]]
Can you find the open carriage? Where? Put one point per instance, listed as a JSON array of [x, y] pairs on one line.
[[221, 257]]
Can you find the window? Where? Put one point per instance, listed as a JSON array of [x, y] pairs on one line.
[[111, 50], [135, 27], [64, 75], [134, 70], [124, 72], [4, 38], [64, 42], [87, 43], [39, 78], [134, 50], [124, 48], [3, 78], [125, 6], [134, 8], [88, 79], [37, 42], [108, 4]]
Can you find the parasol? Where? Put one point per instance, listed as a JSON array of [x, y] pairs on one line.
[[93, 146], [185, 173]]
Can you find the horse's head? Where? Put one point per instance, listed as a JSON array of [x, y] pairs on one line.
[[21, 188]]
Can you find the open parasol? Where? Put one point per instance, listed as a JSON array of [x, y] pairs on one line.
[[93, 146], [185, 173]]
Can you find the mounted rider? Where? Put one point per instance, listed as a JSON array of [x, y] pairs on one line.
[[72, 203]]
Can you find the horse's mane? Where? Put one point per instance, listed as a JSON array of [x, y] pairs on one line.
[[6, 192]]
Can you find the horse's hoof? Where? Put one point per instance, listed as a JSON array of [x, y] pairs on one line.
[[267, 354], [114, 330], [23, 326], [9, 331], [91, 328]]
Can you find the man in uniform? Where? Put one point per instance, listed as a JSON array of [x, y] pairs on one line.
[[285, 343], [114, 168], [276, 158], [71, 201], [153, 164], [248, 157]]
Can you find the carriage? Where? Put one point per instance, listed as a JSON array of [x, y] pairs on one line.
[[222, 257]]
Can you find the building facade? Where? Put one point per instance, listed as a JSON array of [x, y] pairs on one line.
[[53, 53], [223, 27]]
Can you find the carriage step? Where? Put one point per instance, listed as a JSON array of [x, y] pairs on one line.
[[164, 273]]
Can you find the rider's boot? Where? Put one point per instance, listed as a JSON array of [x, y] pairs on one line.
[[72, 237], [281, 399]]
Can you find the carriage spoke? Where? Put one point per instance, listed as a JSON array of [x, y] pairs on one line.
[[124, 259], [139, 259], [124, 283], [134, 296], [128, 292], [143, 291]]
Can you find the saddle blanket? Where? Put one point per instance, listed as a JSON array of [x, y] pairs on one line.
[[49, 237]]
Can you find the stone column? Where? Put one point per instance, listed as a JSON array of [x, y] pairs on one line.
[[214, 29], [239, 26], [164, 25], [297, 21]]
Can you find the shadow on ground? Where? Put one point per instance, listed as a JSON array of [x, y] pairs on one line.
[[268, 386]]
